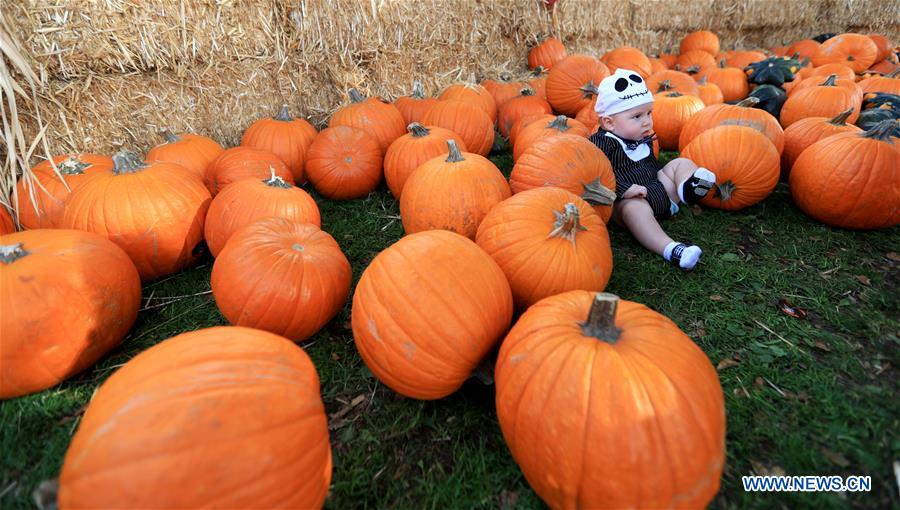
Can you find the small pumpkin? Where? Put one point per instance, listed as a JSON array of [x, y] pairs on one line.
[[193, 152], [251, 199], [42, 198], [414, 106], [824, 100], [589, 118], [884, 45], [281, 276], [421, 144], [547, 241], [770, 99], [857, 51], [452, 192], [582, 381], [225, 415], [710, 93], [672, 81], [773, 71], [742, 59], [740, 114], [504, 88], [626, 57], [284, 136], [378, 118], [670, 112], [537, 80], [696, 63], [518, 107], [804, 48], [573, 81], [657, 66], [68, 298], [542, 129], [522, 123], [239, 163], [465, 119], [744, 160], [867, 161], [700, 40], [731, 81], [433, 299], [344, 163], [473, 93], [805, 132], [546, 53]]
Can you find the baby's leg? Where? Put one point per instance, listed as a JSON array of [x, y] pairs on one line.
[[684, 181], [637, 215]]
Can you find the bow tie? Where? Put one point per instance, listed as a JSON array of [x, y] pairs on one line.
[[632, 145]]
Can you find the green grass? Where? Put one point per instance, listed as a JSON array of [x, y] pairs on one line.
[[813, 396]]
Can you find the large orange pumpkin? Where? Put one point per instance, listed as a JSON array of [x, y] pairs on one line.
[[541, 129], [742, 59], [452, 192], [228, 416], [626, 57], [68, 298], [42, 199], [281, 276], [251, 199], [805, 132], [526, 104], [569, 162], [546, 53], [284, 136], [696, 63], [670, 112], [854, 50], [547, 241], [473, 93], [537, 80], [414, 106], [154, 211], [7, 225], [731, 81], [344, 163], [814, 81], [411, 150], [842, 71], [674, 81], [573, 81], [745, 163], [238, 163], [589, 118], [805, 48], [824, 100], [701, 40], [378, 118], [889, 84], [740, 114], [607, 404], [504, 88], [528, 119], [849, 180], [427, 310], [193, 152], [884, 45], [468, 121]]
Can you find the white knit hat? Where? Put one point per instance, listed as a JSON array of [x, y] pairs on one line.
[[623, 90]]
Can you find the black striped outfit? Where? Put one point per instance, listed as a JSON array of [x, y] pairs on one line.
[[628, 172]]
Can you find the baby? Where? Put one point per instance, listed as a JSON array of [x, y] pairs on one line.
[[645, 192]]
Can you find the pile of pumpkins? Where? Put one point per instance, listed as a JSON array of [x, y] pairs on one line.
[[237, 410]]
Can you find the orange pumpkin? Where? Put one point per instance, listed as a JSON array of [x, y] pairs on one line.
[[504, 88], [572, 83], [696, 63], [672, 81], [626, 57], [227, 416], [569, 162], [452, 192], [472, 93], [541, 129], [465, 119], [546, 53], [522, 123], [448, 305], [813, 81], [154, 211], [805, 132], [744, 160], [68, 298], [805, 48], [411, 150], [842, 71], [239, 163], [414, 106], [889, 84], [194, 152], [854, 50], [742, 59], [710, 93], [378, 118], [592, 390], [886, 66], [884, 45], [669, 60], [284, 136], [7, 225], [670, 111], [589, 118], [281, 276], [251, 199], [42, 198], [521, 106], [547, 241], [849, 180], [731, 81], [701, 40], [657, 66], [824, 100], [740, 114], [538, 82], [344, 163]]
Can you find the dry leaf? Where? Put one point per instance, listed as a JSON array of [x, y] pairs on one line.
[[758, 382], [893, 256], [835, 458], [822, 346], [716, 297], [335, 356], [726, 363], [863, 279], [762, 470]]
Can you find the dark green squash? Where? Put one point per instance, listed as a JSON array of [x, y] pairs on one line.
[[881, 100], [823, 37], [872, 117], [772, 71], [771, 98]]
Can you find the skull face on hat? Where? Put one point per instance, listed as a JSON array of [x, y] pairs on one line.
[[623, 90]]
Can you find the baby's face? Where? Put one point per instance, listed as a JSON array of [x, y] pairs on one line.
[[632, 124]]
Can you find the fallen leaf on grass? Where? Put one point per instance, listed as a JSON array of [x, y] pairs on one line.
[[763, 470], [822, 346], [335, 356], [716, 297], [893, 256], [336, 420], [794, 311], [863, 279], [835, 458], [726, 363]]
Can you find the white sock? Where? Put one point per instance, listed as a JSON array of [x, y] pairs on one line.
[[700, 182], [685, 257]]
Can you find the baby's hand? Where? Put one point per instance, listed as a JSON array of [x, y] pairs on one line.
[[635, 191]]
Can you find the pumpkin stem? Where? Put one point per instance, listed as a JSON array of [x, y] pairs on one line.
[[72, 166], [275, 181], [882, 131], [841, 118], [560, 123], [538, 71], [589, 89], [725, 190], [692, 70], [127, 162], [674, 93], [596, 193], [355, 96], [664, 86], [567, 223], [527, 91], [10, 253], [601, 319], [454, 156], [830, 81], [704, 80], [748, 102], [283, 114], [417, 130], [722, 63], [418, 91], [169, 136], [472, 82]]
